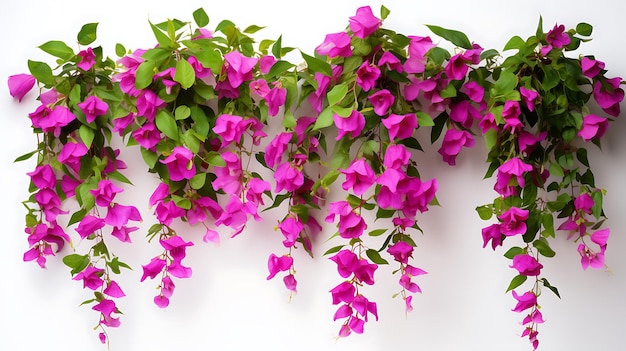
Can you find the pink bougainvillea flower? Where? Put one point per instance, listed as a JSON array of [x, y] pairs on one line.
[[238, 67], [87, 59], [609, 95], [406, 283], [93, 107], [71, 154], [107, 307], [180, 164], [161, 301], [317, 98], [265, 63], [464, 113], [102, 337], [259, 87], [513, 167], [366, 76], [453, 141], [89, 225], [389, 196], [529, 97], [230, 128], [381, 101], [160, 192], [513, 221], [204, 33], [290, 282], [176, 246], [400, 126], [147, 104], [528, 141], [43, 177], [154, 268], [474, 91], [457, 67], [593, 127], [390, 61], [591, 67], [401, 251], [166, 212], [68, 185], [525, 301], [52, 120], [335, 45], [114, 290], [359, 177], [20, 85], [364, 23], [396, 156], [600, 237], [583, 203], [418, 48], [557, 37], [277, 264], [105, 193], [288, 177], [177, 270], [526, 265], [90, 277], [200, 71], [226, 90], [364, 307], [344, 292], [50, 203], [418, 195], [148, 136], [123, 233], [590, 258], [365, 272], [275, 99], [275, 150], [291, 229], [233, 216], [511, 113], [351, 226], [347, 262], [351, 125], [487, 122], [119, 215]]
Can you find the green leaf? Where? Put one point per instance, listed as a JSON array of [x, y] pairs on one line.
[[584, 29], [491, 137], [161, 37], [424, 120], [374, 256], [596, 209], [200, 17], [76, 262], [581, 155], [215, 159], [276, 48], [332, 250], [77, 217], [252, 29], [149, 157], [506, 82], [514, 251], [120, 50], [516, 281], [185, 74], [316, 65], [547, 221], [324, 119], [514, 43], [543, 247], [279, 67], [166, 123], [25, 156], [377, 232], [41, 71], [485, 212], [384, 12], [197, 181], [182, 112], [87, 34], [454, 36], [555, 169], [336, 94], [86, 135], [552, 288], [58, 49], [144, 74], [116, 175]]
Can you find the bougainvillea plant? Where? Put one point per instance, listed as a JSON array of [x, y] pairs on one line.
[[217, 114]]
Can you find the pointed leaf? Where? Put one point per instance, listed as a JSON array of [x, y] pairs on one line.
[[185, 74], [58, 49], [374, 256], [87, 34], [200, 17], [516, 281], [316, 65], [454, 36]]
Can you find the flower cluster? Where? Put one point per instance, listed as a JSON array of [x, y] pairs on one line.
[[232, 129]]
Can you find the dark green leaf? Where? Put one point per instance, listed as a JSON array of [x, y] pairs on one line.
[[454, 36], [552, 288], [41, 71], [596, 209], [86, 135], [543, 247], [87, 34], [76, 262], [116, 175], [25, 156], [584, 29], [374, 256], [581, 155], [215, 159], [166, 123], [276, 48], [149, 157], [58, 49], [324, 119], [377, 232], [485, 212], [332, 250], [77, 217], [200, 17], [516, 281], [514, 251], [279, 67], [316, 65]]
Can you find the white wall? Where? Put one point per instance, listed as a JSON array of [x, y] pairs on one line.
[[228, 304]]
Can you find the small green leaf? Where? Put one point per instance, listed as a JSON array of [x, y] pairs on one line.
[[41, 71], [485, 212], [166, 123], [200, 17], [58, 49], [87, 34], [584, 29], [161, 37], [25, 156], [279, 67], [374, 256], [336, 94], [76, 262], [377, 232], [491, 137], [144, 74], [555, 169], [543, 247], [514, 43], [120, 50], [552, 288], [116, 175], [197, 181], [332, 250], [185, 74], [324, 119], [276, 48], [424, 120], [77, 217], [215, 159], [182, 112], [516, 281], [514, 251], [149, 157], [454, 36], [252, 29], [506, 82], [316, 65], [581, 155], [384, 12], [596, 209], [86, 135]]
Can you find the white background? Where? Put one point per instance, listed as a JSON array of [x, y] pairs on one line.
[[228, 304]]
